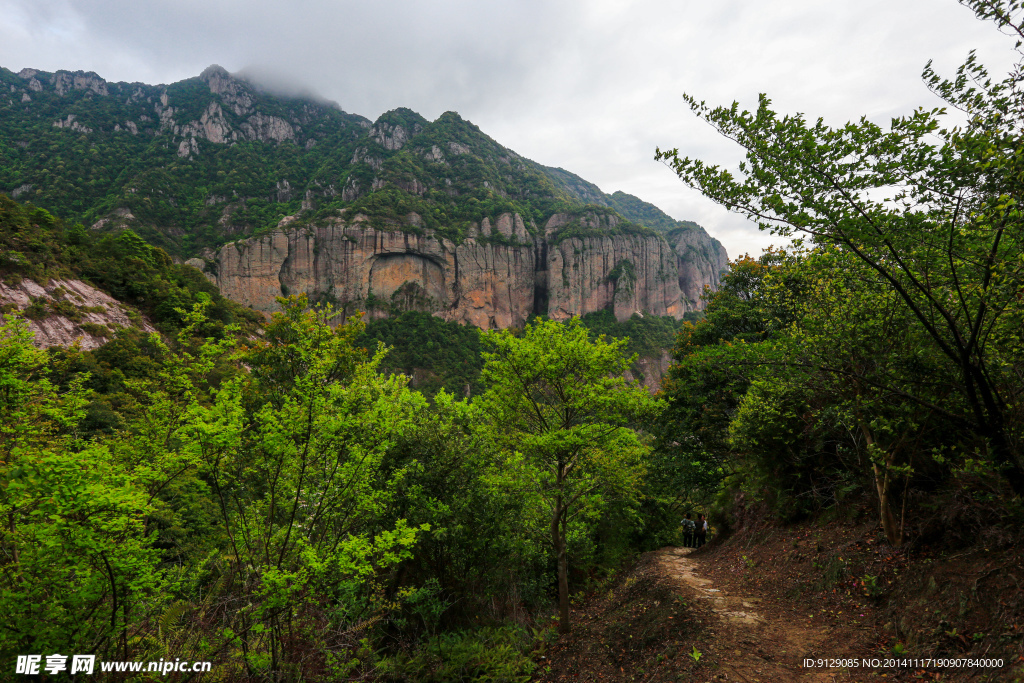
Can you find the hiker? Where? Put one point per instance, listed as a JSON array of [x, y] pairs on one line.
[[702, 531], [689, 527]]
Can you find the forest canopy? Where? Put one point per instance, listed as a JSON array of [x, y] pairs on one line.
[[892, 333]]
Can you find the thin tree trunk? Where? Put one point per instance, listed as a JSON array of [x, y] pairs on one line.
[[563, 591], [558, 539], [882, 485], [893, 535]]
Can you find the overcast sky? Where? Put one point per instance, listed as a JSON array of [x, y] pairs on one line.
[[593, 87]]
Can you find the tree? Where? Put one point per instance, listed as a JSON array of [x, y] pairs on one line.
[[293, 453], [932, 213], [854, 341], [563, 412], [715, 361], [78, 570]]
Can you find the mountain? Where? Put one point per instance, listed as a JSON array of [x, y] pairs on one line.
[[348, 210]]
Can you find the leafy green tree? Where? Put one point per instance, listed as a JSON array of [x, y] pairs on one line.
[[292, 452], [79, 574], [931, 212], [487, 550], [715, 361], [564, 415], [857, 345]]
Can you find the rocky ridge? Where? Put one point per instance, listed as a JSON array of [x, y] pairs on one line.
[[230, 110]]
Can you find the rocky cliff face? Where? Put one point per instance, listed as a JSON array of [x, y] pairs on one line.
[[360, 268], [625, 273], [442, 232], [700, 261], [496, 278], [650, 370], [68, 311]]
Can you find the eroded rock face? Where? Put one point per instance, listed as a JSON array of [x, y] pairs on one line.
[[649, 371], [359, 268], [480, 281], [700, 261], [71, 311], [626, 273], [64, 81], [232, 92]]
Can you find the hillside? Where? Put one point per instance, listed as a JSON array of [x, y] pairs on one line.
[[214, 159], [198, 162], [822, 600], [72, 284]]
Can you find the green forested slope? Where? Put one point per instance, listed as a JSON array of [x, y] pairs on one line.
[[212, 158]]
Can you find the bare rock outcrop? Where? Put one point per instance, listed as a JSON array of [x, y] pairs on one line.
[[360, 268], [392, 136], [65, 81], [625, 273], [214, 125], [496, 278], [265, 128], [232, 91], [66, 311], [71, 124], [700, 260]]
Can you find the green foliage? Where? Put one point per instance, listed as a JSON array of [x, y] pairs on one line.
[[594, 221], [501, 655], [486, 554], [280, 502], [38, 246], [638, 211], [290, 457], [716, 359], [648, 336], [633, 209], [446, 354], [892, 335], [562, 414], [944, 245], [79, 570]]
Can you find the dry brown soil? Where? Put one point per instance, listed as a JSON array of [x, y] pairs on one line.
[[653, 624], [760, 641], [755, 608]]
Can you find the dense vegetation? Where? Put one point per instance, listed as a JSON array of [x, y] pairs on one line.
[[886, 351], [437, 354], [36, 245], [133, 155], [279, 502], [274, 499], [305, 515]]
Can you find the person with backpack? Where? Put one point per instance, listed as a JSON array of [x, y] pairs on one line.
[[689, 528], [702, 531]]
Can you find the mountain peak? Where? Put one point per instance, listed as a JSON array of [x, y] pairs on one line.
[[214, 71], [220, 81]]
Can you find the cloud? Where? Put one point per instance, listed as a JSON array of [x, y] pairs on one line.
[[591, 86]]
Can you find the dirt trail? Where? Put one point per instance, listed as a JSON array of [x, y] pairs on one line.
[[709, 616], [755, 644]]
